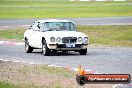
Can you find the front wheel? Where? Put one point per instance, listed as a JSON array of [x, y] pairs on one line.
[[83, 52], [28, 48], [45, 49]]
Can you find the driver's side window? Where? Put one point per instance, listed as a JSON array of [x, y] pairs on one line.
[[45, 27], [73, 28]]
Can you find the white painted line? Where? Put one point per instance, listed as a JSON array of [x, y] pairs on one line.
[[122, 85], [1, 59], [24, 25], [59, 66], [16, 61], [15, 26], [31, 63], [1, 42], [119, 0], [6, 41], [5, 26], [19, 43], [6, 60], [101, 0], [52, 65], [84, 0]]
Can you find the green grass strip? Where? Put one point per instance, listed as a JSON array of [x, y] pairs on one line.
[[105, 35], [62, 9], [7, 85]]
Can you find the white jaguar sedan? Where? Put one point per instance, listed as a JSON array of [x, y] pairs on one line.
[[55, 35]]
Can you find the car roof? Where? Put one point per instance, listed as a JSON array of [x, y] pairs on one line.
[[53, 20]]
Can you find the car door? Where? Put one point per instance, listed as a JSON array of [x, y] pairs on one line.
[[30, 35], [36, 39]]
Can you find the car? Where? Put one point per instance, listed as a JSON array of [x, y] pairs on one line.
[[53, 35]]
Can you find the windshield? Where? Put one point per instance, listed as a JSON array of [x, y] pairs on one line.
[[59, 26]]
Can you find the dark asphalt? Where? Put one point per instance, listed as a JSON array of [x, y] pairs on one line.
[[100, 59], [78, 21]]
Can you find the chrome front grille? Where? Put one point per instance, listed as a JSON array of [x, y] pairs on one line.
[[69, 40]]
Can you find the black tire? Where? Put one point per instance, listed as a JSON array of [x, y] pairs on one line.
[[83, 52], [81, 80], [45, 49], [28, 48]]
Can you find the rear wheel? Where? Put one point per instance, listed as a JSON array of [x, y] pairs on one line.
[[83, 52], [28, 48], [45, 49]]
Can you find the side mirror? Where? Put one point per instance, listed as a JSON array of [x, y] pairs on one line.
[[30, 27]]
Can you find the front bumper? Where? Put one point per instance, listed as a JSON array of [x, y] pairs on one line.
[[64, 47]]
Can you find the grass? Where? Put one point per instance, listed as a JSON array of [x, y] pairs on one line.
[[7, 85], [32, 71], [16, 34], [11, 85], [20, 75], [109, 35], [45, 70], [62, 9], [105, 35]]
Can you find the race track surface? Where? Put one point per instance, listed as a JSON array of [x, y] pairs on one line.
[[98, 59], [78, 21]]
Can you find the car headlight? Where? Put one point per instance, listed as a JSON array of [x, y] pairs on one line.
[[80, 39], [52, 39], [85, 40], [58, 39]]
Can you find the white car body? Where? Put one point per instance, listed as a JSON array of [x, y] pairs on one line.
[[56, 40]]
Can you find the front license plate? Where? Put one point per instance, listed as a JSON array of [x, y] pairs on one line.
[[70, 45]]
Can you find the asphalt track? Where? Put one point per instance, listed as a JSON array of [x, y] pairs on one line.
[[98, 59], [77, 21]]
